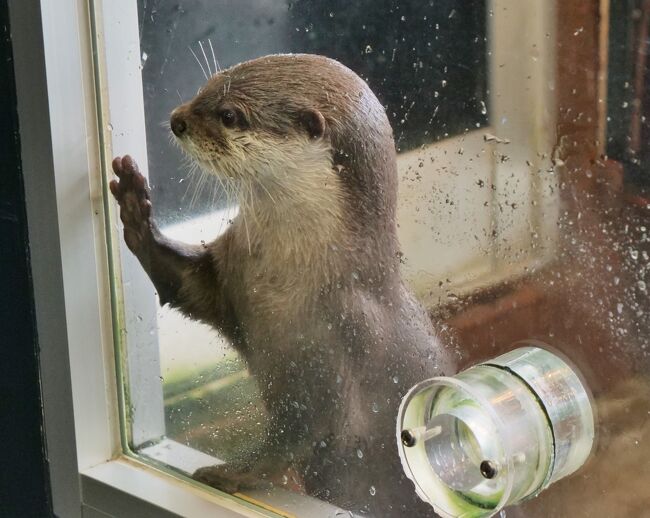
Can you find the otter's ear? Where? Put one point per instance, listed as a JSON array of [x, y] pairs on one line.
[[313, 122]]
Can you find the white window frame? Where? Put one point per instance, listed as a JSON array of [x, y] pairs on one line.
[[63, 163], [62, 166]]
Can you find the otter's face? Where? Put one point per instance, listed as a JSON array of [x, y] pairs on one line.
[[237, 129]]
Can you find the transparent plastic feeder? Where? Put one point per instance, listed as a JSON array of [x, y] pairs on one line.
[[495, 434]]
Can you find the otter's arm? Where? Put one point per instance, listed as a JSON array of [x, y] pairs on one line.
[[183, 275]]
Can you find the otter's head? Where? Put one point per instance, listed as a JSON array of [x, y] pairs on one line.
[[294, 123]]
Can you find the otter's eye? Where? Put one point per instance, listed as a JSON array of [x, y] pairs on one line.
[[228, 117]]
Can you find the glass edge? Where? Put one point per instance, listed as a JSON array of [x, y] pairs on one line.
[[116, 303]]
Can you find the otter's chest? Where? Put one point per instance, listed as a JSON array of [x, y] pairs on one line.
[[279, 280]]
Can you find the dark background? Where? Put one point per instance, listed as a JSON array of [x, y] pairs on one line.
[[628, 19], [24, 486], [425, 60]]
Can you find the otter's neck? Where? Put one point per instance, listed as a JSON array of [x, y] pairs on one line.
[[297, 217]]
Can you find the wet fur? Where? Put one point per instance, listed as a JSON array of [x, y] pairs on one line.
[[305, 283]]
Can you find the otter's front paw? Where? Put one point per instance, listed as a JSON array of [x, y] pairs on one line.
[[132, 194], [229, 479]]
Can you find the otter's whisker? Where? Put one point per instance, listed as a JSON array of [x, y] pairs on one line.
[[214, 59], [232, 188], [251, 199], [207, 63], [248, 235], [219, 184], [217, 194], [201, 186], [261, 184], [195, 183], [214, 192], [245, 207], [190, 173], [197, 60]]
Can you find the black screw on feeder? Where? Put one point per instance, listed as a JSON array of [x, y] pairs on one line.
[[408, 439], [488, 469]]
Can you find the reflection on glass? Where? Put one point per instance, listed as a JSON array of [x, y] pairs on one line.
[[524, 209]]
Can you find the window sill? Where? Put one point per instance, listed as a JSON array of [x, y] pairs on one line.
[[126, 487]]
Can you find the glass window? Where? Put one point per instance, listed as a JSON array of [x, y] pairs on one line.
[[282, 350], [426, 62]]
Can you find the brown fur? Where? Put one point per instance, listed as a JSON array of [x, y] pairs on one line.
[[306, 282]]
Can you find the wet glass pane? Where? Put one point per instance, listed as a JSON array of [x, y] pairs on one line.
[[294, 325]]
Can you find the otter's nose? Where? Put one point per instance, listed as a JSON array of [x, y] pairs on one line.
[[178, 124]]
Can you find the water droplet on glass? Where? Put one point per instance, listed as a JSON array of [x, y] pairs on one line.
[[368, 49], [375, 407], [634, 254], [373, 491], [331, 15], [483, 108], [641, 285], [619, 308], [285, 480], [360, 454], [395, 379], [109, 127]]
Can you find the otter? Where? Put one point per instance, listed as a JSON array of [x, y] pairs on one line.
[[305, 283]]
